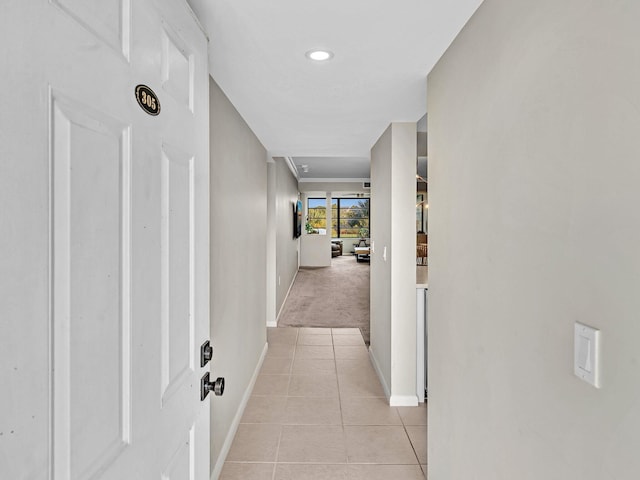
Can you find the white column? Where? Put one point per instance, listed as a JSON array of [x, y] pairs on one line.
[[393, 258]]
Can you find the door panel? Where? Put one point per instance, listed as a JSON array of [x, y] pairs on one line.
[[90, 294], [177, 68], [177, 269], [180, 466], [110, 23]]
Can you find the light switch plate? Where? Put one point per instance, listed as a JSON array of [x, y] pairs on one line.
[[586, 354]]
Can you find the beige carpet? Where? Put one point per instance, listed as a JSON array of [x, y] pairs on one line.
[[336, 296]]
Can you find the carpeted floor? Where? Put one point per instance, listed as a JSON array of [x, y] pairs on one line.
[[336, 296]]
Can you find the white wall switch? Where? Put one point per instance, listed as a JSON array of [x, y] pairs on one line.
[[586, 354]]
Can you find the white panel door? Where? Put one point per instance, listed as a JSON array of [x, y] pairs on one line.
[[104, 248]]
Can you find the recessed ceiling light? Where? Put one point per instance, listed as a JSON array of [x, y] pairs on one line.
[[319, 55]]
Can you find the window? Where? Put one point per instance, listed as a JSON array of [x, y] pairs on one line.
[[349, 217], [317, 215]]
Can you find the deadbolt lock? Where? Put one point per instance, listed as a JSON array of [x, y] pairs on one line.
[[206, 386], [206, 353]]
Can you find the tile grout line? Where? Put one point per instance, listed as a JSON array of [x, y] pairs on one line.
[[411, 443], [344, 433], [295, 348]]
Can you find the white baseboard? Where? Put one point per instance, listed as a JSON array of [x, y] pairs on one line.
[[394, 400], [285, 300], [233, 429], [376, 367], [403, 401]]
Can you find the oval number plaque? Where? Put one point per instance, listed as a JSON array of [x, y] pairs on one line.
[[147, 100]]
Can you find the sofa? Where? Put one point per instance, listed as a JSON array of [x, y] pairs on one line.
[[336, 248]]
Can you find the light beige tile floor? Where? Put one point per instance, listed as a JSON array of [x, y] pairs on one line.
[[318, 412]]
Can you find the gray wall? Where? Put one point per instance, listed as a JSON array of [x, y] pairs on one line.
[[534, 175], [238, 259], [393, 280], [286, 246]]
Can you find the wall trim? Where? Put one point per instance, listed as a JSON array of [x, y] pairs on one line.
[[233, 429], [403, 401], [285, 300], [292, 167], [394, 400], [376, 367], [333, 180]]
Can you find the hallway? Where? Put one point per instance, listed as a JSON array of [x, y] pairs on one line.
[[318, 412], [346, 283]]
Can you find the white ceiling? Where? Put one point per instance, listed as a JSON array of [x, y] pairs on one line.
[[333, 167], [298, 108]]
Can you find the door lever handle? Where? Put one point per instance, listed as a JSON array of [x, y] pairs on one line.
[[206, 386]]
